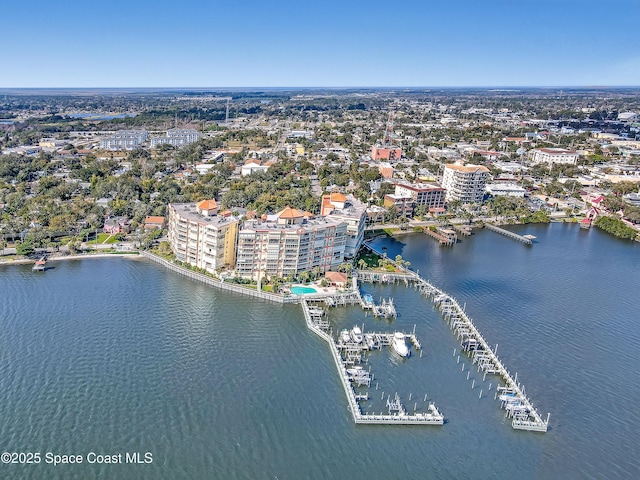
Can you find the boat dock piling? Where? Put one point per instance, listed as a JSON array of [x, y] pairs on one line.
[[443, 239], [386, 309], [525, 416], [528, 239], [314, 318], [462, 230]]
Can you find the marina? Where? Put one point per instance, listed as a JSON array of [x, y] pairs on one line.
[[474, 344], [347, 352]]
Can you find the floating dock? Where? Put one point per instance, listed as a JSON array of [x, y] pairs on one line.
[[396, 416], [527, 239]]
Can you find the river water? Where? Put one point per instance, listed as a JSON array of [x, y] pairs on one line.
[[115, 356]]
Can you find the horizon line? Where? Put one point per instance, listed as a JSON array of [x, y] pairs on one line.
[[340, 87]]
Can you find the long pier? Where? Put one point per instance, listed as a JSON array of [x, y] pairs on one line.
[[432, 417], [524, 415], [527, 239]]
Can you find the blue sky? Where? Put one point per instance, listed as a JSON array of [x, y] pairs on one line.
[[246, 43]]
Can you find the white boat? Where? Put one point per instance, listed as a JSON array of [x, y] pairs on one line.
[[399, 345], [370, 340], [344, 336], [357, 371], [356, 334]]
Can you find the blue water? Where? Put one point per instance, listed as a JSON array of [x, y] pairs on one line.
[[302, 290], [120, 355]]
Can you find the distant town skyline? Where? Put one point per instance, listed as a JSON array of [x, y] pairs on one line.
[[209, 44]]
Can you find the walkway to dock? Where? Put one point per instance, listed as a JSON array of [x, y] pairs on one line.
[[528, 239], [433, 417]]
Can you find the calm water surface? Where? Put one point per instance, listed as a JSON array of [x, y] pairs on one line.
[[119, 355]]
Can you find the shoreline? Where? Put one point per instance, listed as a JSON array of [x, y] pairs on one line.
[[27, 261]]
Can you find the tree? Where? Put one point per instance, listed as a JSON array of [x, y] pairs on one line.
[[345, 267], [613, 203], [25, 248], [632, 214]]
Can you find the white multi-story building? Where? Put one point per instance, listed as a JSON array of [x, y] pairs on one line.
[[351, 211], [553, 155], [505, 190], [464, 183], [201, 237], [125, 140], [177, 137], [289, 243]]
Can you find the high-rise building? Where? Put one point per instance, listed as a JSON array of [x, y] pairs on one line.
[[351, 211], [201, 237], [464, 183], [288, 243]]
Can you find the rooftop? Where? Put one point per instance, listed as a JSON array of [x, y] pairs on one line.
[[189, 212]]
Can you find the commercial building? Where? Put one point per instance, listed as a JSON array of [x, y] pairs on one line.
[[429, 195], [125, 140], [464, 183], [201, 237], [386, 153], [553, 155], [288, 243], [177, 137], [351, 211]]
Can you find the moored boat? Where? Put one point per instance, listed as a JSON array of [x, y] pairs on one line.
[[399, 345], [356, 334], [344, 336]]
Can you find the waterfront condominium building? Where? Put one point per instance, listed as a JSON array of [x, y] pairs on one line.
[[124, 140], [351, 211], [201, 237], [177, 137], [553, 155], [288, 243], [464, 183], [426, 194]]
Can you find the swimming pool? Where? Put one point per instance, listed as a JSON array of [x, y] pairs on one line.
[[302, 290]]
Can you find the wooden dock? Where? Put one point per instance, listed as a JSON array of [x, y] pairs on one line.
[[527, 239], [442, 239], [462, 230]]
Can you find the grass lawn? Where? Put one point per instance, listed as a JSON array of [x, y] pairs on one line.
[[370, 258], [104, 238]]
